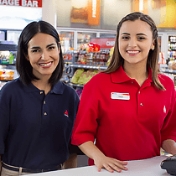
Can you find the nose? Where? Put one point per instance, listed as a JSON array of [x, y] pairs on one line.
[[132, 42], [44, 55]]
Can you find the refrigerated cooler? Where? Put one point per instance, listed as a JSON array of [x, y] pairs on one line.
[[75, 38], [2, 35]]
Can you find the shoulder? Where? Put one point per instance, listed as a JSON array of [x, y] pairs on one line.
[[66, 90], [11, 85], [97, 82], [9, 90], [99, 78], [165, 80]]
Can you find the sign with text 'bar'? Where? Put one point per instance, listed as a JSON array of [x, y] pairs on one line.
[[23, 3]]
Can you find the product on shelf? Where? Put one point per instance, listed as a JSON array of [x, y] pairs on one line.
[[171, 47], [67, 56], [110, 55], [87, 62], [86, 76], [82, 76], [93, 58], [6, 57], [77, 75], [6, 74]]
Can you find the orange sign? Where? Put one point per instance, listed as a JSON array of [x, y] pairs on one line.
[[94, 12]]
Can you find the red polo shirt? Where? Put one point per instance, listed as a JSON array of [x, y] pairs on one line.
[[128, 121]]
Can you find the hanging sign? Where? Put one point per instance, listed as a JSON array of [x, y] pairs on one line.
[[23, 3], [104, 43], [94, 12]]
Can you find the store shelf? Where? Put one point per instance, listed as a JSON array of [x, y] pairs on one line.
[[7, 80], [88, 66], [7, 64], [170, 71], [7, 46], [76, 85]]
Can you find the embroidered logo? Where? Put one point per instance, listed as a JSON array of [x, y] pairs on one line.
[[66, 113], [164, 109]]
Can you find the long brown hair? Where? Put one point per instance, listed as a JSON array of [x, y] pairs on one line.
[[152, 61]]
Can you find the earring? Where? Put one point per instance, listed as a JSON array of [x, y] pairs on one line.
[[153, 47]]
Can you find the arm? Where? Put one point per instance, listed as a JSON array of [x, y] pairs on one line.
[[169, 146], [100, 160]]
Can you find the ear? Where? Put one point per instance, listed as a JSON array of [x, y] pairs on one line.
[[153, 45], [59, 46], [26, 56]]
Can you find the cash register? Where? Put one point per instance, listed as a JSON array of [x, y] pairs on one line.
[[169, 164]]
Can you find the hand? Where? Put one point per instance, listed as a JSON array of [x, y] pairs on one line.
[[110, 164]]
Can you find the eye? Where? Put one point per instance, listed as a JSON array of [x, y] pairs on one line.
[[51, 47], [125, 37], [35, 50], [140, 38]]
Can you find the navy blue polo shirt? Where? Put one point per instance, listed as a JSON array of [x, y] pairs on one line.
[[35, 128]]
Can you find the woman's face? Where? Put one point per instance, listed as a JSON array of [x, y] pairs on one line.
[[135, 41], [43, 55]]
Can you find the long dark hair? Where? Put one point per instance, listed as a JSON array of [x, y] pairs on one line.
[[23, 66], [152, 61]]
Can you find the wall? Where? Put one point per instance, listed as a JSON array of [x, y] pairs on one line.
[[111, 11], [49, 12]]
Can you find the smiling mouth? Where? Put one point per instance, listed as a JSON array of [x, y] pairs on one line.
[[45, 64], [133, 52]]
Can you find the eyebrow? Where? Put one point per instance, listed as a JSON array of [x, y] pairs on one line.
[[37, 47], [51, 44], [137, 34]]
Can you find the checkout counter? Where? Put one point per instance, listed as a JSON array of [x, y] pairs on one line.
[[146, 167]]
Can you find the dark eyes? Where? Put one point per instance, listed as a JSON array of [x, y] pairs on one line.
[[140, 38], [39, 50], [51, 47], [125, 37], [35, 50]]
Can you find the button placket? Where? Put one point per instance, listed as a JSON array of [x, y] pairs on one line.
[[44, 103], [44, 108], [140, 103]]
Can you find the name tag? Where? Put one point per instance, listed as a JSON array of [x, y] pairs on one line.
[[120, 96]]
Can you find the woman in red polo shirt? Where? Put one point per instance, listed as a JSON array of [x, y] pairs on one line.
[[126, 112]]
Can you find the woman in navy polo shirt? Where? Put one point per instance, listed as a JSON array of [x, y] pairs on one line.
[[128, 111], [37, 110]]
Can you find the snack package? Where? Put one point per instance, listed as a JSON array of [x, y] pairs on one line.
[[77, 75], [110, 56], [86, 76]]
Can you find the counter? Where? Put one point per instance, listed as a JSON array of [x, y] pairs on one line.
[[146, 167]]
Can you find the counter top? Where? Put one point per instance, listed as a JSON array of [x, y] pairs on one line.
[[146, 167]]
